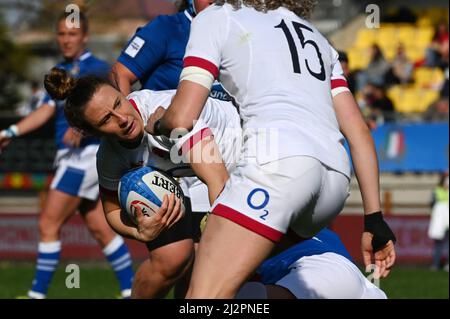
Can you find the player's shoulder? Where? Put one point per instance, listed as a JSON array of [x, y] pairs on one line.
[[149, 100], [163, 24], [96, 65], [92, 59], [214, 12]]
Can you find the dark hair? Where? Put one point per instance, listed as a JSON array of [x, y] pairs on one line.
[[84, 22], [343, 57], [302, 8], [77, 93]]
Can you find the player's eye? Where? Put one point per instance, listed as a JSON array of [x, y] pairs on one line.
[[105, 120], [117, 104]]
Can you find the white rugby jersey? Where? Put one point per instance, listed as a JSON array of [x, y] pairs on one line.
[[282, 73], [218, 118]]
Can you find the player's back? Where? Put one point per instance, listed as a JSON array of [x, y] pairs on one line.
[[275, 55], [278, 68]]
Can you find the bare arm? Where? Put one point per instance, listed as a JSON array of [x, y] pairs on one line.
[[365, 162], [362, 149], [35, 119], [186, 107], [123, 77], [29, 123], [206, 162]]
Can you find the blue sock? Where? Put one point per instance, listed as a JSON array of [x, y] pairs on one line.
[[118, 256], [47, 262]]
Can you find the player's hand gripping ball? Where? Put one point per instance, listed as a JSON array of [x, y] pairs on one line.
[[145, 187]]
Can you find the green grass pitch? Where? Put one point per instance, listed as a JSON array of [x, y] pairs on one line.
[[97, 280]]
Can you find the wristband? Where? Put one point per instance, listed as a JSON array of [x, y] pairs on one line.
[[382, 233], [10, 132], [157, 128]]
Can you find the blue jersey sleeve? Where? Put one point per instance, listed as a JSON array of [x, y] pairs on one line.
[[147, 48]]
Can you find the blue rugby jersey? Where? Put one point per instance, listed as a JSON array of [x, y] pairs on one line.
[[155, 53], [86, 64], [275, 268]]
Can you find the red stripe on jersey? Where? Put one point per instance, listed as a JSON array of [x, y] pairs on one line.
[[247, 222], [194, 139], [108, 191], [201, 63], [133, 103], [338, 83]]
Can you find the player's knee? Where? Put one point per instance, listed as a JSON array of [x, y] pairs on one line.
[[49, 228], [142, 286], [102, 234], [174, 264]]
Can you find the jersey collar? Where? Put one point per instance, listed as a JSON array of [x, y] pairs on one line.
[[84, 56], [188, 15]]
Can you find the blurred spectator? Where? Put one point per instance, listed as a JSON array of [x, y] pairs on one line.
[[438, 228], [401, 68], [379, 108], [37, 94], [350, 76], [438, 111], [376, 70], [437, 52]]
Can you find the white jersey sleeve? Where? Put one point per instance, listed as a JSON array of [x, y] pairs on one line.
[[209, 32], [338, 80]]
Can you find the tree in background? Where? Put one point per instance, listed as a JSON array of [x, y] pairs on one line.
[[13, 65]]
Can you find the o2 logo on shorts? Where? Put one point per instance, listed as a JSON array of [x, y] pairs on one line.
[[258, 200]]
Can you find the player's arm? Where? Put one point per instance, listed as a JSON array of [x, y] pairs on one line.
[[377, 239], [206, 162], [28, 124], [123, 77], [185, 108], [147, 228]]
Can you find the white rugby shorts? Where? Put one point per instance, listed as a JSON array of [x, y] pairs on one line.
[[328, 276], [297, 193], [76, 172]]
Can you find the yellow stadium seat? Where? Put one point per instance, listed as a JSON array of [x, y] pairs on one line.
[[358, 58], [427, 97], [395, 93], [424, 35], [407, 35], [408, 102], [428, 77], [387, 37], [424, 22], [389, 52], [413, 100], [415, 54], [365, 38]]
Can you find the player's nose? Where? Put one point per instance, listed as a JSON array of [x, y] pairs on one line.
[[122, 120]]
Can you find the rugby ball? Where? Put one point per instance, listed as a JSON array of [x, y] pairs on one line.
[[145, 187]]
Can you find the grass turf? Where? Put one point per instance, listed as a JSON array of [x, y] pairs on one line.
[[97, 281]]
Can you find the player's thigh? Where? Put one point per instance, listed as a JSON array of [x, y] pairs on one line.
[[325, 276], [172, 259], [223, 262], [94, 217]]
